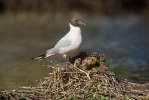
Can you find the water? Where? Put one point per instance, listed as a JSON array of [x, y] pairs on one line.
[[123, 40]]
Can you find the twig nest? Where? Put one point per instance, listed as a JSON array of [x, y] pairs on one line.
[[102, 58], [94, 54], [77, 62], [74, 83], [89, 63], [82, 55], [95, 62]]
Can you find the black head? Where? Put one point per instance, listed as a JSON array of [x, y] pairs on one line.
[[76, 22]]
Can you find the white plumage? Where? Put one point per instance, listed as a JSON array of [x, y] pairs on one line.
[[68, 44]]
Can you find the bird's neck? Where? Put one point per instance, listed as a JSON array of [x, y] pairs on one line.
[[75, 28]]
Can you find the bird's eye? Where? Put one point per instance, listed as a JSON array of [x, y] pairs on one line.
[[75, 20]]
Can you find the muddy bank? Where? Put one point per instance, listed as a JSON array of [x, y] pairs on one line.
[[86, 77]]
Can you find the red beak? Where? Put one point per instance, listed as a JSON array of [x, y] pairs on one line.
[[81, 23]]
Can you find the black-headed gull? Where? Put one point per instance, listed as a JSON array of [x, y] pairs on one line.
[[68, 44]]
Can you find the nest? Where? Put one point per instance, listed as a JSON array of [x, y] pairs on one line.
[[85, 78]]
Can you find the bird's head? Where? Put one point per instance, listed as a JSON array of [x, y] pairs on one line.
[[76, 22]]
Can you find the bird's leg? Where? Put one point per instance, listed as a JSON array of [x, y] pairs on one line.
[[70, 60], [65, 58], [66, 61]]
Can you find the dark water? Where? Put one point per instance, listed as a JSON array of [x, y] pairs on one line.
[[123, 40]]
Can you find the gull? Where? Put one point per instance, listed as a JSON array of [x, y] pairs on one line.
[[67, 45]]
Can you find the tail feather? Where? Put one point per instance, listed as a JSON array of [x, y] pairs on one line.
[[40, 57]]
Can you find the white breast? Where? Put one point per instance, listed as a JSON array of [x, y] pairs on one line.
[[75, 36]]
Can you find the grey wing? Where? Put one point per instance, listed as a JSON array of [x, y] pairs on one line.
[[64, 42]]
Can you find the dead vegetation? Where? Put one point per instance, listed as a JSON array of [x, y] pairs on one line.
[[87, 78]]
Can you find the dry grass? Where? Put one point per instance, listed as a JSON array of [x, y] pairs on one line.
[[77, 83]]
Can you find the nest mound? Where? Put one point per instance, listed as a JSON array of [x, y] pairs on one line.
[[86, 78]]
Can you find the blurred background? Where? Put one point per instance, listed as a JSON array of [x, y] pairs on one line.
[[117, 28]]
